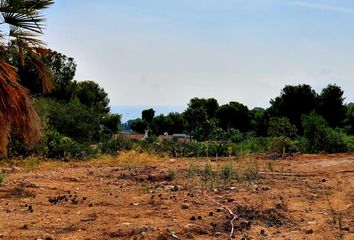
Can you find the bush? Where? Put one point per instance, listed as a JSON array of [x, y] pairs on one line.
[[2, 178], [282, 145], [319, 137], [254, 145], [281, 126], [63, 147], [114, 146]]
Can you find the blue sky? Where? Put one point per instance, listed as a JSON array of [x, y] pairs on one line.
[[164, 52]]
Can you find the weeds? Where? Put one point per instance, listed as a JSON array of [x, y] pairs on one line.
[[2, 178], [208, 172], [31, 164], [171, 175], [249, 172], [227, 173], [193, 170]]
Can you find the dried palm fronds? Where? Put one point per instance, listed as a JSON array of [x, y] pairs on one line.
[[16, 109]]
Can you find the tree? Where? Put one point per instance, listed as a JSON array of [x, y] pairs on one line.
[[148, 115], [25, 23], [234, 115], [71, 119], [259, 121], [281, 127], [63, 70], [331, 106], [161, 124], [178, 123], [93, 96], [139, 126], [112, 122], [319, 137], [350, 117], [293, 102]]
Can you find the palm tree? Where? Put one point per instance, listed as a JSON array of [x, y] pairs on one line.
[[25, 25]]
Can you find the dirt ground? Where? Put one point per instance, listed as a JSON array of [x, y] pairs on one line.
[[137, 196]]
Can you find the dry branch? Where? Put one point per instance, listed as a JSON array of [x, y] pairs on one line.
[[233, 215], [289, 174]]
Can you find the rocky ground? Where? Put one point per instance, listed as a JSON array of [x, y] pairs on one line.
[[138, 196]]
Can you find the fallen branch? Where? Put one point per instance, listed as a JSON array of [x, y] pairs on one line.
[[289, 174], [234, 216]]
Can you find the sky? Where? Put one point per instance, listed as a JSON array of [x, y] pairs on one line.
[[162, 53]]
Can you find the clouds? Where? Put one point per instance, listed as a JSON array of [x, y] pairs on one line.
[[323, 7]]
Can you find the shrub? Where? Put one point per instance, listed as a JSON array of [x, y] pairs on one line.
[[227, 172], [249, 172], [114, 146], [60, 146], [2, 178], [319, 137], [171, 175], [281, 126], [282, 145], [254, 145], [208, 172]]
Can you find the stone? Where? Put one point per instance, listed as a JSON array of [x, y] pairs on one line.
[[185, 206], [139, 230]]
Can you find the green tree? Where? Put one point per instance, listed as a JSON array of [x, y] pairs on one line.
[[293, 102], [161, 124], [71, 119], [178, 124], [195, 114], [281, 127], [147, 115], [319, 137], [350, 117], [331, 105], [112, 122], [259, 121], [93, 96], [62, 69], [139, 126], [234, 115]]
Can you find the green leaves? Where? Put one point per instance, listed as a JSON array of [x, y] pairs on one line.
[[24, 14]]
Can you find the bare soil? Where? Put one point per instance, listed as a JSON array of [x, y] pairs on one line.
[[135, 197]]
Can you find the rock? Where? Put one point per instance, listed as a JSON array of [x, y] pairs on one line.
[[192, 228], [139, 230], [193, 218], [117, 234], [185, 206], [189, 236], [176, 188], [24, 227], [351, 229], [162, 237], [30, 209], [309, 231]]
